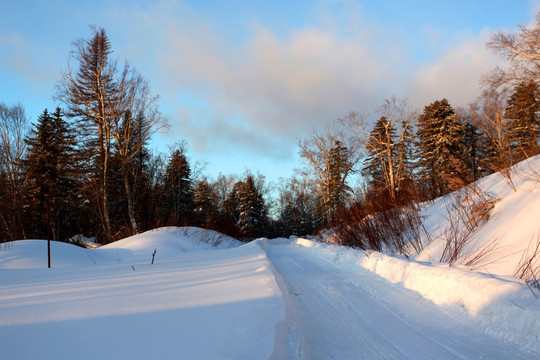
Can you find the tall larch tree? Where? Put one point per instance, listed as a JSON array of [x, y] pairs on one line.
[[87, 92]]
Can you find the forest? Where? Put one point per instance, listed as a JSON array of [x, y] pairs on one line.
[[86, 167]]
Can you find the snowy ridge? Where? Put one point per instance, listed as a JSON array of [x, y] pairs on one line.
[[502, 308], [169, 242]]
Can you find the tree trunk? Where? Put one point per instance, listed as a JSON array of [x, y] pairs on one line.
[[129, 198]]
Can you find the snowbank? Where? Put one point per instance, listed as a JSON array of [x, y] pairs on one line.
[[200, 305], [168, 242], [505, 309]]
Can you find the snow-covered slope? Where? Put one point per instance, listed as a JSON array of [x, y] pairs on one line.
[[514, 225]]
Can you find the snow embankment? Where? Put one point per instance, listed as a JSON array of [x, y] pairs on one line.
[[498, 246], [168, 243], [505, 309]]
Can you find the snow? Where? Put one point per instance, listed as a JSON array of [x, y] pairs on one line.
[[214, 304], [505, 309], [208, 296], [339, 310], [513, 225]]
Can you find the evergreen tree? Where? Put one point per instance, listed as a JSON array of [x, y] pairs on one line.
[[523, 113], [406, 164], [178, 189], [252, 218], [50, 175], [340, 165], [440, 145], [205, 202], [297, 210], [246, 208], [477, 152]]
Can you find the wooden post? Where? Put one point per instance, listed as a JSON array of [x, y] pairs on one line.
[[48, 239], [154, 254]]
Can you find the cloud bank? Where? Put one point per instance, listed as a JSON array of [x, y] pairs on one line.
[[261, 90]]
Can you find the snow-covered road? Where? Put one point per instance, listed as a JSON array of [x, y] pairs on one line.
[[336, 314]]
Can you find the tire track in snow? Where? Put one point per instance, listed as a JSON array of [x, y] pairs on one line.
[[336, 314]]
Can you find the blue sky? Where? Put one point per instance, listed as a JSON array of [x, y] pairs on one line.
[[240, 81]]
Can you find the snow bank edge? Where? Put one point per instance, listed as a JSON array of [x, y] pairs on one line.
[[504, 309]]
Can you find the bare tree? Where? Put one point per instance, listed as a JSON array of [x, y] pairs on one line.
[[521, 51], [384, 146], [488, 113], [135, 119], [330, 158], [14, 127]]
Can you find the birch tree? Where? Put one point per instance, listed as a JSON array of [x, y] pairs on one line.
[[330, 158]]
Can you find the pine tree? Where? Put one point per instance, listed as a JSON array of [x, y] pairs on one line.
[[245, 207], [50, 174], [523, 113], [440, 140], [252, 218], [178, 189], [297, 210], [205, 203]]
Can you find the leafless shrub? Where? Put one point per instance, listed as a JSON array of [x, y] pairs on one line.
[[529, 172], [396, 229], [476, 258], [528, 268], [468, 210]]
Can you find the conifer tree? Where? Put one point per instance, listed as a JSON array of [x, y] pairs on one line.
[[380, 163], [340, 166], [205, 204], [252, 218], [50, 175], [523, 113], [297, 210], [440, 144], [178, 188]]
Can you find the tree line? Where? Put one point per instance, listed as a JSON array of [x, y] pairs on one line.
[[86, 168]]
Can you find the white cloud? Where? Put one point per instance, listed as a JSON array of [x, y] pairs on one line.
[[455, 76], [264, 87]]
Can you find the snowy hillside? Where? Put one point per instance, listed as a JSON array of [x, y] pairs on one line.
[[512, 229]]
